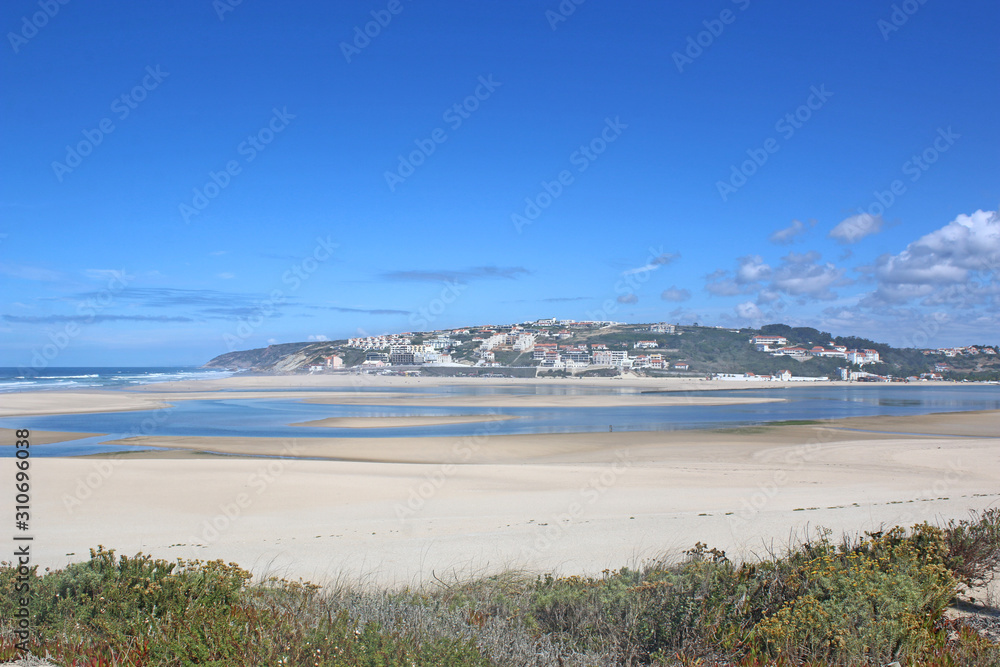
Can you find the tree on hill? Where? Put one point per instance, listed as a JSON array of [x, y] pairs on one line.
[[798, 335]]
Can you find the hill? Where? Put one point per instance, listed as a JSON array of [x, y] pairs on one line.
[[686, 350]]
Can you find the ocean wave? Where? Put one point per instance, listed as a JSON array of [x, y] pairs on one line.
[[112, 377]]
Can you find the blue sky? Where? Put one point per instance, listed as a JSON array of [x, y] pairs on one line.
[[190, 177]]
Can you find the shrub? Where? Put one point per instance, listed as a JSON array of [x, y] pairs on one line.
[[868, 601], [973, 547], [876, 602]]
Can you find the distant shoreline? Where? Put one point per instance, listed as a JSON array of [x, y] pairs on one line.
[[629, 391]]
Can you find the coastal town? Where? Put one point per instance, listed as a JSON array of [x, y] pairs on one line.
[[591, 348]]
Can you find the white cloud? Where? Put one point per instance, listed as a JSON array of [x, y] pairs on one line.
[[857, 227], [628, 298], [958, 264], [725, 287], [788, 234], [318, 337], [766, 296], [748, 310], [674, 293], [803, 275], [227, 276], [752, 269], [653, 263]]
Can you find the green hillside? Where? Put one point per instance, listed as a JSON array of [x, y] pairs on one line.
[[706, 350]]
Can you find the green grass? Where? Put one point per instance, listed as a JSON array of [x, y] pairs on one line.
[[866, 601], [794, 422]]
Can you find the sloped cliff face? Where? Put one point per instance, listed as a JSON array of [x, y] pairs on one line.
[[262, 359], [283, 358], [294, 361]]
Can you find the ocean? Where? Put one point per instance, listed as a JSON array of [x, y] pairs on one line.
[[82, 377]]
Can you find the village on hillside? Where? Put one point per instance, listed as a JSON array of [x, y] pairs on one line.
[[551, 347]]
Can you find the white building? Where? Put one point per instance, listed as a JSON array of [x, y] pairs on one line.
[[790, 352], [663, 328], [862, 357], [617, 358], [577, 356], [439, 343], [782, 376], [523, 342], [377, 342], [824, 352], [768, 343]]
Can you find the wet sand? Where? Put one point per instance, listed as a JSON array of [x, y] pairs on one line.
[[394, 510]]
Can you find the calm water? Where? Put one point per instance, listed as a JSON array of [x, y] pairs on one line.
[[270, 417]]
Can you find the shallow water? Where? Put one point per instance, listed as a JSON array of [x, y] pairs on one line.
[[232, 416]]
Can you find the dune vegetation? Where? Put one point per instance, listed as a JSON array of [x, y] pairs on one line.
[[869, 600]]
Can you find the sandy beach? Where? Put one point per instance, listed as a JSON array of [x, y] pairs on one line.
[[74, 402], [396, 510]]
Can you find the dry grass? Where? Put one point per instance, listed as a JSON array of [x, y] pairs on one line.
[[864, 601]]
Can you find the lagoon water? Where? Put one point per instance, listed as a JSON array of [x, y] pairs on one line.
[[230, 415]]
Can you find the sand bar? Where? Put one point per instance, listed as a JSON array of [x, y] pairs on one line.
[[57, 402], [7, 436], [588, 447], [399, 422], [571, 507], [157, 396]]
